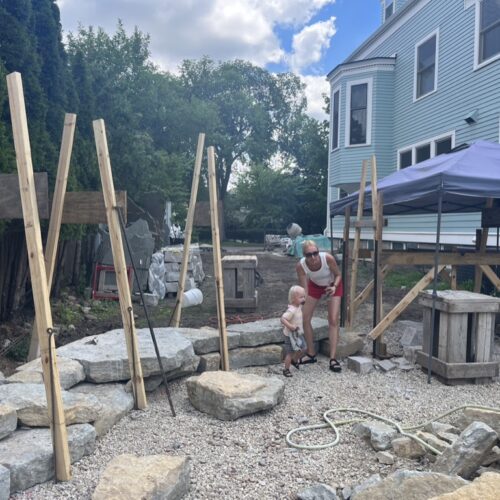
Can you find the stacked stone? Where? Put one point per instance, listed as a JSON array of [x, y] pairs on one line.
[[173, 259]]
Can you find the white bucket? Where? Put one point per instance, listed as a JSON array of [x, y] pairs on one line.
[[192, 297], [293, 230]]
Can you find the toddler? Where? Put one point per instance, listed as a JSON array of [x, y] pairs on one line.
[[291, 320]]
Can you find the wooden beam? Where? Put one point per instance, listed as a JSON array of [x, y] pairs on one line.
[[491, 275], [365, 293], [403, 304], [189, 229], [56, 216], [402, 258], [87, 207], [219, 280], [119, 263], [10, 197], [38, 276], [478, 274]]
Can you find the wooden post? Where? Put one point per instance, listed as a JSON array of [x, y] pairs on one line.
[[120, 264], [38, 276], [56, 216], [189, 229], [221, 311], [355, 251], [345, 268], [478, 273]]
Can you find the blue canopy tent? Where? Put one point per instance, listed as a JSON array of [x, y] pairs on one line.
[[456, 182]]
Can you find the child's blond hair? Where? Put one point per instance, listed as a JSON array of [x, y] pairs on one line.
[[294, 290]]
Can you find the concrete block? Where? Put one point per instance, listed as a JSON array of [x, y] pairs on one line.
[[360, 364]]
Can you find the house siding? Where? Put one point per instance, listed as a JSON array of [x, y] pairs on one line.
[[399, 121]]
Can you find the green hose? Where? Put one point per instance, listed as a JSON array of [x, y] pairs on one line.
[[333, 424]]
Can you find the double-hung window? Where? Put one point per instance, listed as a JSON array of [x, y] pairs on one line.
[[426, 55], [335, 118], [487, 31], [358, 123]]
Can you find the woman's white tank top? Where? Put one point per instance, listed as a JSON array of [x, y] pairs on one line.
[[323, 276]]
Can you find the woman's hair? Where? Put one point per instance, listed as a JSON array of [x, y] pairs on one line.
[[293, 290], [308, 243]]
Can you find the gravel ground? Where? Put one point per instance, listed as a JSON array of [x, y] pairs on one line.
[[249, 458]]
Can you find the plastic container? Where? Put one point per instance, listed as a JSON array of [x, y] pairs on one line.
[[293, 230], [192, 297]]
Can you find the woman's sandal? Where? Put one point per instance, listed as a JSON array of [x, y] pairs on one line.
[[287, 373], [335, 365], [311, 358]]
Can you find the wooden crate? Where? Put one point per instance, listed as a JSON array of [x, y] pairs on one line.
[[239, 281], [462, 347]]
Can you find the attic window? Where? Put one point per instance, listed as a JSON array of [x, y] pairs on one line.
[[388, 9]]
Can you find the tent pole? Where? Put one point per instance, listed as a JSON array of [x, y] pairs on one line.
[[434, 283]]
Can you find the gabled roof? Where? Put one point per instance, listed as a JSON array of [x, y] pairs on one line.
[[465, 178]]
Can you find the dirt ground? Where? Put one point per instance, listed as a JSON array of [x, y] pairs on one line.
[[75, 317]]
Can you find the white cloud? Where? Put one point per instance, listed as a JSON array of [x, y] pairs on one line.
[[220, 29], [316, 86], [310, 44]]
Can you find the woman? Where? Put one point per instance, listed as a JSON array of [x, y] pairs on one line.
[[319, 275]]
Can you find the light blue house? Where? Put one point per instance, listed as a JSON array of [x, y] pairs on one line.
[[426, 82]]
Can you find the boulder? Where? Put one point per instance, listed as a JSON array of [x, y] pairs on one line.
[[70, 372], [209, 362], [30, 402], [270, 331], [4, 483], [468, 452], [410, 485], [470, 415], [104, 357], [207, 340], [349, 344], [228, 395], [115, 404], [381, 435], [484, 487], [365, 485], [318, 492], [29, 457], [492, 457], [384, 457], [406, 447], [255, 356], [8, 420], [128, 477]]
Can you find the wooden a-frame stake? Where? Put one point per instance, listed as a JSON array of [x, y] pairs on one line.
[[38, 276], [55, 216], [120, 264], [189, 229], [219, 283]]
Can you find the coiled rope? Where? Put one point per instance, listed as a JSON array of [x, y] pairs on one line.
[[333, 424]]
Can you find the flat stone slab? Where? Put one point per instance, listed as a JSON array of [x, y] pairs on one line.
[[270, 331], [228, 395], [104, 357], [206, 340], [255, 356], [30, 402], [28, 453], [8, 421], [70, 372], [4, 483], [115, 401], [155, 477]]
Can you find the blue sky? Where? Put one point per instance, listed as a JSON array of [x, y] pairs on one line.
[[307, 37]]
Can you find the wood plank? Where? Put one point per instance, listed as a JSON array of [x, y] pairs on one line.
[[87, 207], [398, 258], [188, 231], [345, 303], [450, 371], [38, 276], [491, 275], [10, 197], [219, 282], [55, 216], [403, 304], [119, 263], [478, 274], [456, 350], [485, 331]]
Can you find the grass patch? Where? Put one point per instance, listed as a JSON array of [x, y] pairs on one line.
[[403, 278]]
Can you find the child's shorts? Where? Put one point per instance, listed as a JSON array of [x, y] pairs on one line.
[[300, 344]]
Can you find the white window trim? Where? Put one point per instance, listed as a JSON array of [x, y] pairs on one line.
[[334, 91], [369, 93], [384, 6], [432, 141], [436, 66], [477, 29]]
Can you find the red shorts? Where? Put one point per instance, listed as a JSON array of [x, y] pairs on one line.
[[317, 291]]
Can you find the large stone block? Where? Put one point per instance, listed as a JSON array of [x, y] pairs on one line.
[[29, 457], [349, 344], [407, 448], [228, 395], [104, 357], [8, 420], [4, 483], [255, 356], [485, 487], [128, 477], [207, 340]]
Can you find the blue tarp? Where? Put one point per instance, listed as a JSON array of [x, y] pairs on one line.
[[466, 178]]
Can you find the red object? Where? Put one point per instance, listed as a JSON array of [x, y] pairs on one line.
[[104, 284]]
